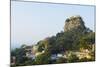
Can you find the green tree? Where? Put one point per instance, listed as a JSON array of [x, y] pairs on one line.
[[20, 53], [61, 60], [87, 40], [42, 59], [72, 58]]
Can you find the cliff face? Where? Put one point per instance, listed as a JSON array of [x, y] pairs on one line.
[[74, 22]]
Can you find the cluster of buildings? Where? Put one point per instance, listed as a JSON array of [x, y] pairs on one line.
[[31, 52]]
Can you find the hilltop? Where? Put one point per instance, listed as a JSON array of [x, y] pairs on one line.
[[74, 44]]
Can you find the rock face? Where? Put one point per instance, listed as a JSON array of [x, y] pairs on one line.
[[74, 22]]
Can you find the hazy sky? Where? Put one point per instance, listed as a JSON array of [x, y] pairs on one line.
[[31, 22]]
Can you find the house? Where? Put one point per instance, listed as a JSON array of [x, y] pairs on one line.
[[35, 49], [85, 53], [56, 56]]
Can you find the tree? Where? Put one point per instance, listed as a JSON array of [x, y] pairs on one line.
[[20, 53], [72, 58], [87, 40], [42, 59], [61, 60]]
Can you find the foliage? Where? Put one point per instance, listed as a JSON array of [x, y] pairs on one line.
[[87, 40], [61, 60], [42, 59], [73, 58], [20, 53], [69, 40]]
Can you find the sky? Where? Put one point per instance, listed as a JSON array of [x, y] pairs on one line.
[[32, 21]]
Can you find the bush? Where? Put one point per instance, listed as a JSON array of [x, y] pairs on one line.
[[61, 60], [73, 58], [42, 59]]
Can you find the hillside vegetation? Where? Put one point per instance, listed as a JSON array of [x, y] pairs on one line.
[[75, 44]]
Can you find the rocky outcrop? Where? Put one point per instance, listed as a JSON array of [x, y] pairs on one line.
[[74, 22]]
